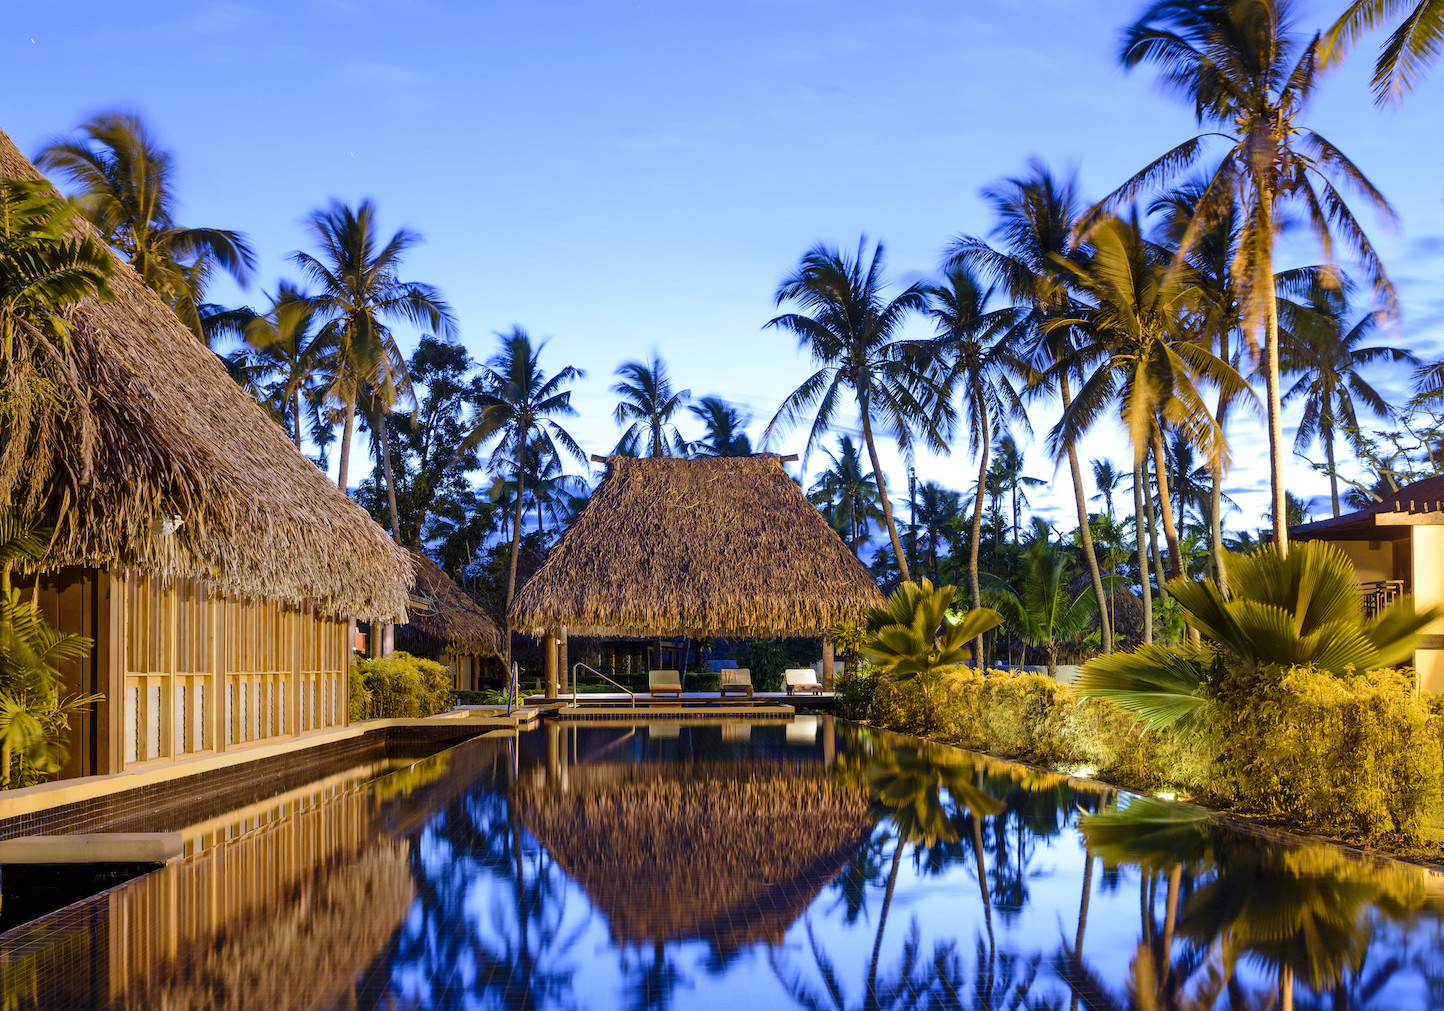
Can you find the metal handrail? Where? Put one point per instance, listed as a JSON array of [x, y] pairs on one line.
[[603, 677]]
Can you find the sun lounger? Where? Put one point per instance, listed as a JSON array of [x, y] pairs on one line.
[[734, 681], [801, 680], [664, 683]]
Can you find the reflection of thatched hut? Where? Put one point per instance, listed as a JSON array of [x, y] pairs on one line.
[[725, 546], [207, 557], [731, 859], [303, 957], [450, 627]]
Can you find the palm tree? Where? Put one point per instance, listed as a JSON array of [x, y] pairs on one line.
[[979, 351], [1108, 479], [280, 356], [517, 405], [1037, 215], [1133, 325], [847, 496], [124, 183], [854, 334], [1235, 61], [1320, 346], [358, 293], [1041, 610], [726, 429], [649, 404], [937, 509], [1010, 462], [1411, 48]]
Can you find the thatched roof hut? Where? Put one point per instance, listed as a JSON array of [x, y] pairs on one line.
[[665, 854], [176, 438], [723, 546], [451, 622]]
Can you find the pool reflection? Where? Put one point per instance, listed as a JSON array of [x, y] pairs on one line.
[[684, 865]]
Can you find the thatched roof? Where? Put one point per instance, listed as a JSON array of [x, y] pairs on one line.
[[726, 856], [176, 437], [452, 621], [723, 546]]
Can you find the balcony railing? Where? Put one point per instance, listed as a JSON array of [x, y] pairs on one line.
[[1380, 593]]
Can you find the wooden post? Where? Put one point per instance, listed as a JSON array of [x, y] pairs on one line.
[[551, 643], [168, 726], [216, 663], [297, 662], [827, 667], [563, 657]]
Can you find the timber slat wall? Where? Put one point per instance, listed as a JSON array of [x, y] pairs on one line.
[[203, 673]]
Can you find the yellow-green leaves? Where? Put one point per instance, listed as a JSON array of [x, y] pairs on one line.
[[913, 633]]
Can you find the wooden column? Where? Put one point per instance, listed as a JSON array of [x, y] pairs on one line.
[[297, 662], [563, 658], [827, 667], [551, 642], [168, 693], [216, 663]]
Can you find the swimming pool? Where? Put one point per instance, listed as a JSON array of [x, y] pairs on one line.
[[803, 864]]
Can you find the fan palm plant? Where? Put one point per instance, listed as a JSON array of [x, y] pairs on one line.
[[855, 334], [914, 636], [1321, 344], [648, 407], [123, 180], [1410, 49], [726, 429], [1249, 80], [1295, 609], [359, 293], [517, 405], [1036, 232], [1042, 610]]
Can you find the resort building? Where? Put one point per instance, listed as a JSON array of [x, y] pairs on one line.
[[702, 547], [1397, 547], [219, 572], [446, 625]]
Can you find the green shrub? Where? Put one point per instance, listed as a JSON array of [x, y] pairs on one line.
[[399, 686], [1357, 755], [853, 692]]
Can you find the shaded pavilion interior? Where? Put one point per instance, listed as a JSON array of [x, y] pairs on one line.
[[725, 546], [444, 623]]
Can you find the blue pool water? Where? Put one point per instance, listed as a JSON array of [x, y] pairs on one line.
[[804, 865]]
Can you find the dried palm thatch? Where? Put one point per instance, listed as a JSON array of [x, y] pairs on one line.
[[722, 546], [732, 858], [171, 436], [454, 623]]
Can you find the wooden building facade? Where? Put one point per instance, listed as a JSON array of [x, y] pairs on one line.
[[219, 572]]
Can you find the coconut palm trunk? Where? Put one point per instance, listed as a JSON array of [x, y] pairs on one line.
[[1085, 532], [1215, 501], [385, 442], [1328, 438], [1264, 272], [1138, 519], [1082, 920], [902, 562], [975, 592], [296, 428], [1159, 575], [1165, 504], [882, 924], [346, 431], [515, 549]]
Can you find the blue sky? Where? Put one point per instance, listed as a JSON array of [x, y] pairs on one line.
[[623, 177]]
